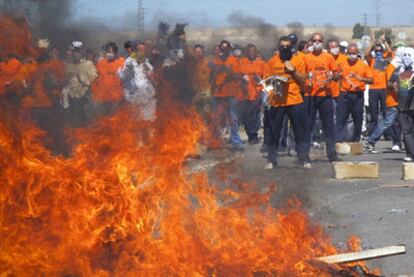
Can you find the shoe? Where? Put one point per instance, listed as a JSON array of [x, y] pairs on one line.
[[370, 148], [396, 148], [264, 148], [334, 158], [408, 159], [237, 148], [307, 165], [254, 141], [316, 144], [269, 166]]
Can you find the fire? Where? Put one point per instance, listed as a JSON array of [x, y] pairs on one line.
[[118, 207]]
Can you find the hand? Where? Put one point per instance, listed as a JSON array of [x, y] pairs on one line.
[[289, 67]]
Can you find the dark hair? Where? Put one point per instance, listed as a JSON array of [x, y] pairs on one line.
[[330, 41], [199, 46], [111, 45], [128, 45], [302, 45], [388, 40], [225, 41], [378, 45], [284, 38]]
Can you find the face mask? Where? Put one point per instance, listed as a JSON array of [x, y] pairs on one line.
[[344, 50], [353, 57], [407, 61], [110, 56], [335, 51], [285, 53], [378, 55], [317, 45], [310, 49], [237, 52]]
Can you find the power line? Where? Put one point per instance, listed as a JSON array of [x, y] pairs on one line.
[[141, 19], [378, 4]]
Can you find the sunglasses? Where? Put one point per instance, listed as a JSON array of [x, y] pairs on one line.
[[316, 40]]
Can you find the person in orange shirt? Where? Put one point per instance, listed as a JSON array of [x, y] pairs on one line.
[[286, 98], [355, 74], [378, 62], [334, 50], [391, 114], [322, 70], [226, 89], [107, 89], [252, 69]]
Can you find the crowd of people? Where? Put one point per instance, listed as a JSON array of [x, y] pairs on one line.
[[303, 95]]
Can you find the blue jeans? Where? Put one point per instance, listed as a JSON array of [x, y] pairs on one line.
[[349, 103], [297, 117], [227, 115], [249, 116], [323, 105], [390, 116], [376, 105]]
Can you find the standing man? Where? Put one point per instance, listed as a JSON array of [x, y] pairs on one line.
[[226, 88], [322, 70], [355, 75], [107, 88], [252, 69], [286, 98]]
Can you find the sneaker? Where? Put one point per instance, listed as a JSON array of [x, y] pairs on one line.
[[307, 165], [408, 159], [396, 148], [254, 141], [370, 148], [269, 166]]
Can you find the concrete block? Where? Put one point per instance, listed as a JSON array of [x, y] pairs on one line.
[[356, 170], [408, 171], [349, 148]]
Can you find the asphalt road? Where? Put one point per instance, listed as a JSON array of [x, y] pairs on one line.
[[380, 216]]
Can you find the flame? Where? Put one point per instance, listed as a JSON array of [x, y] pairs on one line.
[[118, 207]]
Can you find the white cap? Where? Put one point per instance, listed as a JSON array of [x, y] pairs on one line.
[[75, 44], [344, 43]]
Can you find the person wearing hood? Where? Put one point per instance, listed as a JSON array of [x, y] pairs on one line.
[[403, 81]]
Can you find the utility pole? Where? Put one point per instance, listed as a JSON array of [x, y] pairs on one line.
[[141, 19], [378, 4], [365, 19]]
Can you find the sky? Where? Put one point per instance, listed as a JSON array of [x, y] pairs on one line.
[[215, 13]]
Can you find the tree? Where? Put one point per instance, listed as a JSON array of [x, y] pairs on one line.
[[360, 30]]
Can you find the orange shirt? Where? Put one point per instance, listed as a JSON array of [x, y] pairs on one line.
[[391, 97], [380, 81], [225, 81], [341, 58], [40, 96], [292, 90], [108, 86], [351, 84], [9, 71], [254, 70], [318, 68]]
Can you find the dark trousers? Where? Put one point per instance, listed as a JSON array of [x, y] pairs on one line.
[[396, 132], [407, 125], [376, 106], [349, 103], [267, 126], [323, 105], [77, 112], [297, 117], [249, 115]]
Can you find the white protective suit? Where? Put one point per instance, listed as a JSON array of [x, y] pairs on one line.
[[138, 89]]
